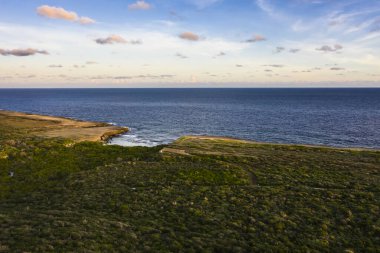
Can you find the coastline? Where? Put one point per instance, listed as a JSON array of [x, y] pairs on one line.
[[80, 130], [60, 127]]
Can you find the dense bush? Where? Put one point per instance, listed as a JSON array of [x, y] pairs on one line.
[[221, 197]]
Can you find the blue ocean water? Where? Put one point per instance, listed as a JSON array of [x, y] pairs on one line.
[[335, 117]]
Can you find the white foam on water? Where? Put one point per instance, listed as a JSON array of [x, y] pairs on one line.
[[133, 140]]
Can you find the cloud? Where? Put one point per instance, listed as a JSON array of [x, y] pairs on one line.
[[78, 66], [334, 48], [340, 17], [221, 54], [22, 52], [239, 65], [181, 56], [256, 38], [279, 49], [56, 13], [294, 50], [122, 77], [60, 13], [135, 42], [86, 21], [265, 6], [269, 9], [140, 5], [336, 68], [189, 36], [113, 39], [91, 62], [274, 65], [55, 66], [146, 76]]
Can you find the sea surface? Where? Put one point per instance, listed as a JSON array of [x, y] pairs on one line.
[[334, 117]]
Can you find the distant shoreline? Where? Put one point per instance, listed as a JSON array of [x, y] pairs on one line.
[[196, 87]]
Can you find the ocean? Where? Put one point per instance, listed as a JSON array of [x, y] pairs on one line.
[[345, 117]]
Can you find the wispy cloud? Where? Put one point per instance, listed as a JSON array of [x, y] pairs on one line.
[[279, 50], [116, 39], [269, 9], [294, 50], [140, 5], [334, 48], [265, 6], [22, 52], [336, 68], [179, 55], [60, 13], [274, 65]]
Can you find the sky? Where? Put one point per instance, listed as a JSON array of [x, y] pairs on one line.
[[189, 43]]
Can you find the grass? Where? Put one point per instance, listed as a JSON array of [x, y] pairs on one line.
[[198, 195]]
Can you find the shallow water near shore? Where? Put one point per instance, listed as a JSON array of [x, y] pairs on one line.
[[334, 117]]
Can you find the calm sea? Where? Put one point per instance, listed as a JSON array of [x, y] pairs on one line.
[[335, 117]]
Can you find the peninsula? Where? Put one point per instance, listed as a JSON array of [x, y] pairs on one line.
[[59, 127]]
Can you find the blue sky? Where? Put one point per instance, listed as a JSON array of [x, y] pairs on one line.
[[189, 43]]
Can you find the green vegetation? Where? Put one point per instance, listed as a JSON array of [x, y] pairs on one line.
[[196, 195]]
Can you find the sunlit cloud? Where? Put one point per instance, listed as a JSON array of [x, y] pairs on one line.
[[116, 39], [60, 13], [140, 5], [189, 36]]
